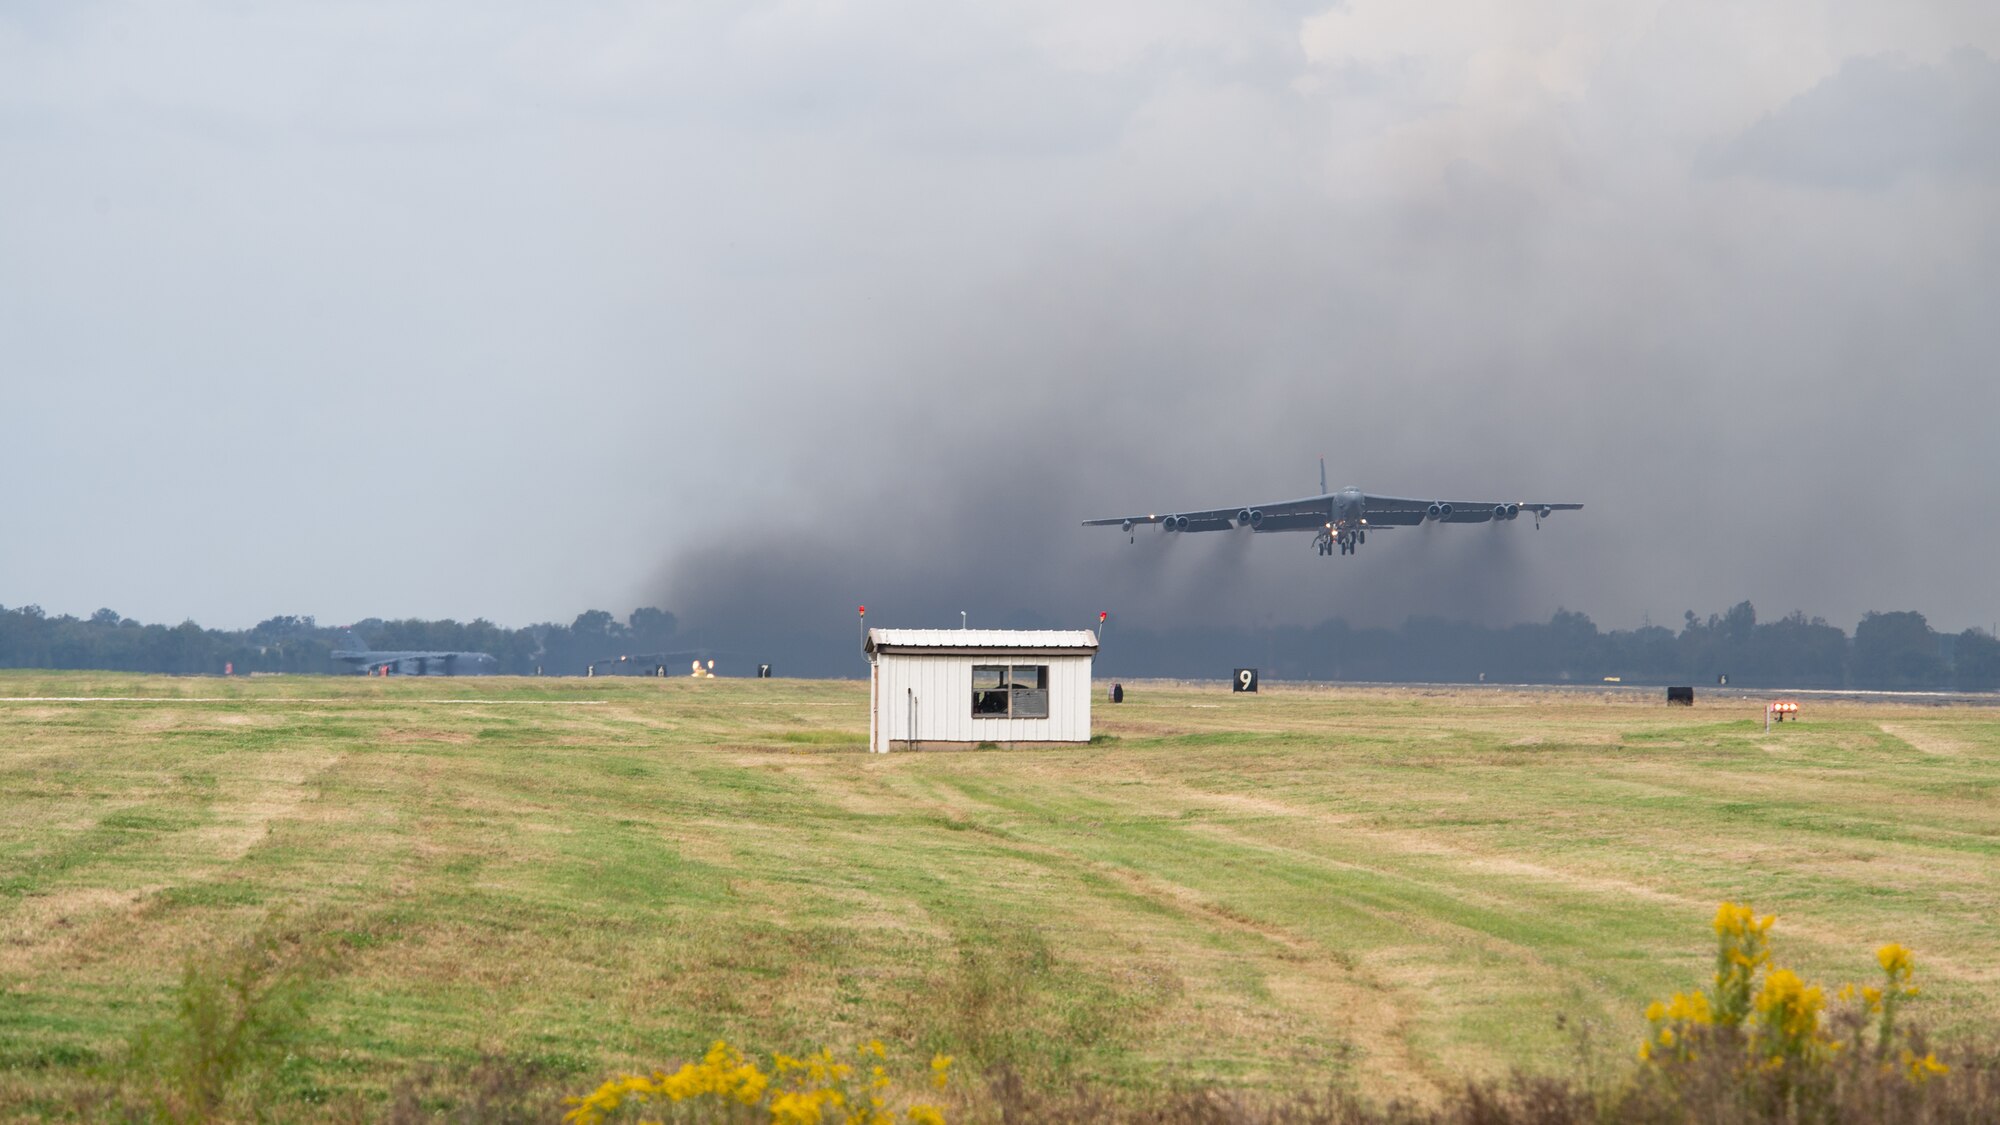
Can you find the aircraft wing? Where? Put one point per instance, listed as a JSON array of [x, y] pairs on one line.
[[1308, 511], [1393, 511]]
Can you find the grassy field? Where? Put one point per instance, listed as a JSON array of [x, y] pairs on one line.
[[1382, 888]]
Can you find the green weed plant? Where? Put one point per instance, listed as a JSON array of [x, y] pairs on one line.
[[237, 1012], [1766, 1039]]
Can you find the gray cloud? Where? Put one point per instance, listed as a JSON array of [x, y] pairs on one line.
[[763, 312], [1880, 118]]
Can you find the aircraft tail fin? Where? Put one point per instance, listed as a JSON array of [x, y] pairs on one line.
[[354, 643], [1322, 476]]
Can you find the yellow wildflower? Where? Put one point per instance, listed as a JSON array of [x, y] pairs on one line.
[[1895, 960], [1782, 1016], [803, 1107], [813, 1089], [1788, 1018], [1733, 919], [1922, 1069]]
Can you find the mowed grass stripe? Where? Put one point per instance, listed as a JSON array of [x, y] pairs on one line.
[[1379, 887]]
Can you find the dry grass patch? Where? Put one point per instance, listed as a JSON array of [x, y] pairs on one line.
[[1386, 889]]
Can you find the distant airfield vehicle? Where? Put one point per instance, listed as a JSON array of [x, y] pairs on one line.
[[1340, 519], [665, 663], [365, 661]]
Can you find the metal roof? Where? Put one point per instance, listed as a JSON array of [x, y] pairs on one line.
[[1080, 641]]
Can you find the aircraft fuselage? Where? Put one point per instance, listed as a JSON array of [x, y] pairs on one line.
[[1346, 524]]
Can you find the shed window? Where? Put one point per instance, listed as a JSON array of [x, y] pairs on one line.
[[1017, 691]]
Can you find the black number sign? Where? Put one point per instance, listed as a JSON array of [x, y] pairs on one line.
[[1246, 680]]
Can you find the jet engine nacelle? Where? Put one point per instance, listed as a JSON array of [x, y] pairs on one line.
[[1127, 527], [1506, 511], [1174, 523], [1438, 511], [1249, 517], [1513, 510]]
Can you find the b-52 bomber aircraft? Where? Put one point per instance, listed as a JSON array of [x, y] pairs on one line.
[[1340, 519], [368, 662]]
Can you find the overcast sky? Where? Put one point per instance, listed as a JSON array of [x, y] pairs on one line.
[[765, 310]]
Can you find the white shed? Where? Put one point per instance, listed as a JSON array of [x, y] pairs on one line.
[[945, 687]]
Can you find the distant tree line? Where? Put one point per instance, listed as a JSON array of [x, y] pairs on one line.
[[30, 638], [1896, 650]]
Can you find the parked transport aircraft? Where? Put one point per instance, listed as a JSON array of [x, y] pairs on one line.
[[366, 661]]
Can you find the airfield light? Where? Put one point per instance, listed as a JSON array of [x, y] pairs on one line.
[[1778, 710]]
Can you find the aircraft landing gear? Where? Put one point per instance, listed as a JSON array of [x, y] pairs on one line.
[[1347, 539]]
